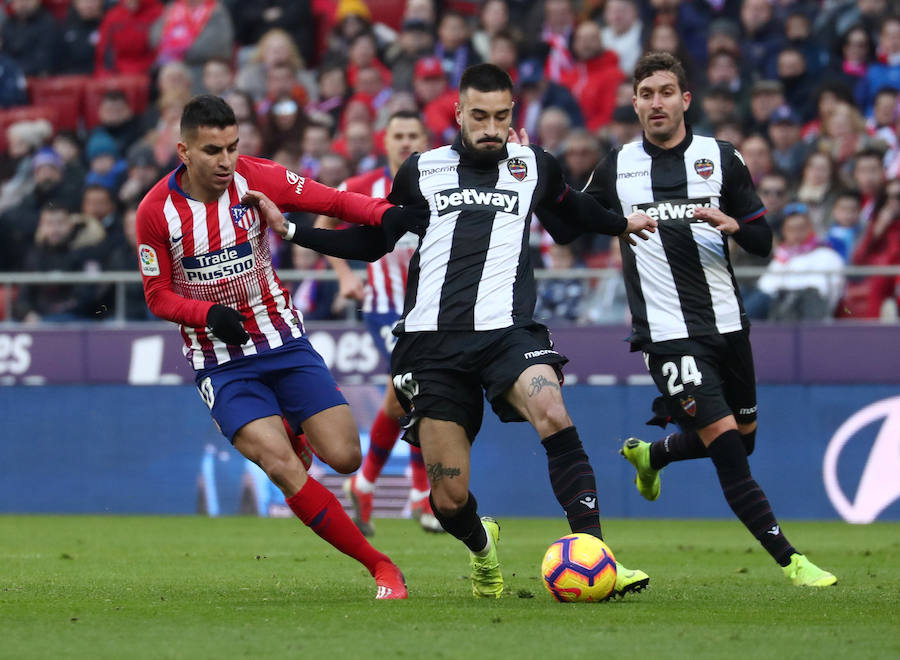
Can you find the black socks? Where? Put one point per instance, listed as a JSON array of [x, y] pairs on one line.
[[465, 525], [572, 479], [745, 497]]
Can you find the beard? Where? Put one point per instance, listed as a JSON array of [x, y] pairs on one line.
[[494, 152]]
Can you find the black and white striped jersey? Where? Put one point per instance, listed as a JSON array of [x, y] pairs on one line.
[[680, 282], [472, 269]]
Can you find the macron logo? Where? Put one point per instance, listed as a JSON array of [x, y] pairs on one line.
[[487, 199]]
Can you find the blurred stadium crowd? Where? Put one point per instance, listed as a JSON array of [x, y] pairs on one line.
[[91, 93]]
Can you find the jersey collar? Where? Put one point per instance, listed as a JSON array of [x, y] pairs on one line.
[[678, 150], [175, 182]]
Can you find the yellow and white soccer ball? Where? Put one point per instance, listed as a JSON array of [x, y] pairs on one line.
[[579, 568]]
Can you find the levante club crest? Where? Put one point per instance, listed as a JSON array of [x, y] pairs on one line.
[[517, 168], [704, 167], [689, 405]]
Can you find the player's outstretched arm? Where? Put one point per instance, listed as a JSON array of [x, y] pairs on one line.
[[350, 285], [365, 243]]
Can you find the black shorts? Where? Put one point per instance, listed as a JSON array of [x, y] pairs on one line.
[[703, 379], [441, 375]]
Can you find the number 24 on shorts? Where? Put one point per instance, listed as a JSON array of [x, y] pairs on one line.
[[689, 373]]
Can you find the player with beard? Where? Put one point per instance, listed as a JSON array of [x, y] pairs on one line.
[[467, 328]]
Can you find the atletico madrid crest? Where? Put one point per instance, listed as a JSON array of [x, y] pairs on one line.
[[517, 168], [704, 167], [689, 405], [240, 217]]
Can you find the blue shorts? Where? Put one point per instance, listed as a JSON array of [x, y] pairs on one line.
[[380, 326], [290, 381]]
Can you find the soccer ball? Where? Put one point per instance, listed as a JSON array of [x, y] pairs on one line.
[[579, 568]]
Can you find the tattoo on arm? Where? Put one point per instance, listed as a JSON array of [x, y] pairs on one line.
[[538, 383], [437, 471]]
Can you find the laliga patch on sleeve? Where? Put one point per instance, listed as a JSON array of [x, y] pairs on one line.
[[149, 262]]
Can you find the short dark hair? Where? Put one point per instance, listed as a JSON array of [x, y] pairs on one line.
[[659, 61], [406, 114], [206, 110], [485, 77]]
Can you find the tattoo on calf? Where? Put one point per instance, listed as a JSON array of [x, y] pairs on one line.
[[538, 383], [437, 471]]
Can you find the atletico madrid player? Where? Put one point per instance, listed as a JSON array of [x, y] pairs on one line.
[[205, 261]]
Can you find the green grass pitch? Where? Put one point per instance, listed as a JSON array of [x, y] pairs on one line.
[[187, 587]]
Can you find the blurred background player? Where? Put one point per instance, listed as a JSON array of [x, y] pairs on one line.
[[206, 265], [382, 297]]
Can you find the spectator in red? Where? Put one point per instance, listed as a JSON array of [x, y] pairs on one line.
[[880, 246], [869, 179], [124, 45], [363, 54], [594, 77], [559, 23], [437, 98], [192, 31]]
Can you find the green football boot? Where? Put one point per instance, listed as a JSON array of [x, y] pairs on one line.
[[629, 581], [487, 582], [803, 573], [647, 479]]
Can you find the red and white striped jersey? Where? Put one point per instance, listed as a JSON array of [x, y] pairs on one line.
[[194, 255], [386, 285]]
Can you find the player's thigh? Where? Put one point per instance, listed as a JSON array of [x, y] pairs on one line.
[[304, 386], [688, 376], [236, 395], [522, 373], [739, 379], [432, 379], [536, 395], [446, 451], [334, 436], [390, 404]]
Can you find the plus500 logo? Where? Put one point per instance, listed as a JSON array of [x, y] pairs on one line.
[[220, 264], [476, 199], [15, 354]]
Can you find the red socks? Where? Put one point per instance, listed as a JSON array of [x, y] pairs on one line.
[[382, 438], [320, 511], [419, 474]]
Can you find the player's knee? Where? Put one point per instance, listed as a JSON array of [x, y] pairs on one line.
[[346, 458], [449, 500], [552, 418], [749, 440], [280, 467]]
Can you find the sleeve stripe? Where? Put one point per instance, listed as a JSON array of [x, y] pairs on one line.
[[563, 194], [753, 216]]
